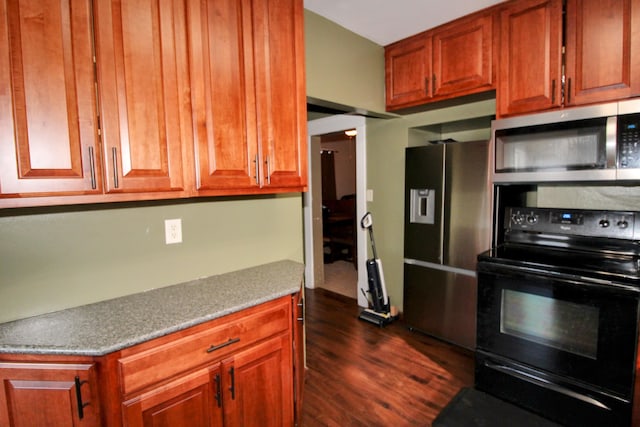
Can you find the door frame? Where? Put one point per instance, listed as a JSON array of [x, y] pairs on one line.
[[323, 126]]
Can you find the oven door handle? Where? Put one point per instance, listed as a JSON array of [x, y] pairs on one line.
[[534, 379]]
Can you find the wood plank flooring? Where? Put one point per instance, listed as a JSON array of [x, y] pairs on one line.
[[361, 375]]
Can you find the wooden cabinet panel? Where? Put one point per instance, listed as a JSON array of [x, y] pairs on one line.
[[219, 339], [142, 78], [280, 92], [408, 71], [48, 124], [188, 401], [298, 354], [256, 138], [47, 394], [222, 95], [260, 385], [598, 51], [530, 56], [463, 56]]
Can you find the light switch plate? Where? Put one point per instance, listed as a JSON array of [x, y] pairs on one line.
[[173, 231]]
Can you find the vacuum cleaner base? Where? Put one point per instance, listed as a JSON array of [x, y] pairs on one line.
[[380, 319]]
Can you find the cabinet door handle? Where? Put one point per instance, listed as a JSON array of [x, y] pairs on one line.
[[553, 91], [301, 318], [232, 388], [215, 347], [569, 90], [92, 167], [114, 158], [81, 405], [268, 170], [433, 87], [218, 391], [257, 175]]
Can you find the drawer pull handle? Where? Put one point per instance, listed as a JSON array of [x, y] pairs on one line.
[[81, 404], [224, 344]]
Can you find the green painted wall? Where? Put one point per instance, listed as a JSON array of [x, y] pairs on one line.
[[386, 141], [52, 259], [343, 67]]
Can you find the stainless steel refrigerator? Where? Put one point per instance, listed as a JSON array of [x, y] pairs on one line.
[[447, 224]]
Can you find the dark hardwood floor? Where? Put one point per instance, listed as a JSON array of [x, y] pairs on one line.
[[361, 375]]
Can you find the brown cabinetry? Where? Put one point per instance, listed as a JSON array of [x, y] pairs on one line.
[[452, 60], [248, 98], [48, 394], [601, 51], [234, 371], [142, 87], [48, 125], [530, 57], [183, 99]]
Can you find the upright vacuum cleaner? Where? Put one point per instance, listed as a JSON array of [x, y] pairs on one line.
[[379, 311]]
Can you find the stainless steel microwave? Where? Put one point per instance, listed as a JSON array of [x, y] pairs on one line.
[[593, 143]]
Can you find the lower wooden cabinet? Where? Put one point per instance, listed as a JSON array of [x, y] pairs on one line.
[[234, 371], [48, 394]]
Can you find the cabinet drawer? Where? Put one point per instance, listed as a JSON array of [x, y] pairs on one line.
[[208, 343]]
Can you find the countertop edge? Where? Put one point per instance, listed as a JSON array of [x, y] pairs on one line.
[[259, 283]]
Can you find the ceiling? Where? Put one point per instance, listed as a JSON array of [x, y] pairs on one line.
[[386, 21]]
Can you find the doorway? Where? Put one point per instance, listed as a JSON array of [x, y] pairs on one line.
[[312, 200]]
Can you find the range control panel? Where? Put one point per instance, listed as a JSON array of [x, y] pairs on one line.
[[577, 222]]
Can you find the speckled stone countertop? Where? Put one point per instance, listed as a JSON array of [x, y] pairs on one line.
[[107, 326]]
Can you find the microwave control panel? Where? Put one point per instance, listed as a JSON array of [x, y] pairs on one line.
[[629, 141]]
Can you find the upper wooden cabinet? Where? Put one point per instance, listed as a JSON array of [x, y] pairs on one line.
[[143, 86], [408, 72], [530, 57], [107, 100], [463, 56], [249, 105], [48, 124], [453, 60], [602, 51]]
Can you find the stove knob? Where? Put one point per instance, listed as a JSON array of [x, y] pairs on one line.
[[623, 223], [517, 219], [532, 219], [604, 223]]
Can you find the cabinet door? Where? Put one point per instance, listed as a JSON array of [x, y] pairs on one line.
[[259, 386], [298, 353], [143, 87], [408, 72], [530, 57], [598, 51], [48, 394], [463, 57], [193, 400], [222, 95], [48, 123], [280, 92]]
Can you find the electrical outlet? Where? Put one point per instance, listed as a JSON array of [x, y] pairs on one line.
[[173, 231]]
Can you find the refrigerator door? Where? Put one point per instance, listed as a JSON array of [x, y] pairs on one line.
[[441, 303], [467, 204], [424, 184]]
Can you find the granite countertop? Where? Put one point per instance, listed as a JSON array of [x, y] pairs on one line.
[[108, 326]]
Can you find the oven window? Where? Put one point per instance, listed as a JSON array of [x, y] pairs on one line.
[[555, 323]]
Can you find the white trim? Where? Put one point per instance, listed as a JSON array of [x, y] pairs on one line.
[[329, 125]]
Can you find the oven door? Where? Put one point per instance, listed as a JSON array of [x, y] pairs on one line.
[[578, 329]]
